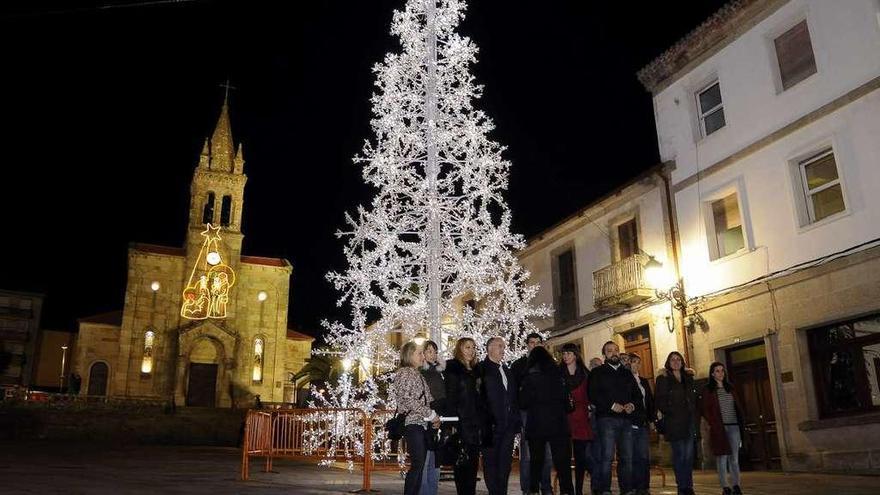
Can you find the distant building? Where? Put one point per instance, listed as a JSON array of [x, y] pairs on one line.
[[202, 323], [19, 330]]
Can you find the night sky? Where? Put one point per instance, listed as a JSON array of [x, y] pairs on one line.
[[105, 110]]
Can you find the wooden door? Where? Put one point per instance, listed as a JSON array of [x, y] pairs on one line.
[[638, 341], [201, 391], [98, 379], [751, 380]]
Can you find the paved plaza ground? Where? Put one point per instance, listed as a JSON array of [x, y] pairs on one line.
[[44, 468]]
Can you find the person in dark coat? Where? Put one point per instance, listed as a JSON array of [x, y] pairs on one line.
[[642, 424], [499, 391], [617, 399], [520, 368], [545, 398], [432, 370], [463, 400], [722, 411], [677, 405], [582, 435]]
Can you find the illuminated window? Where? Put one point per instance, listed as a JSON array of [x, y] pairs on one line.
[[258, 360], [147, 361]]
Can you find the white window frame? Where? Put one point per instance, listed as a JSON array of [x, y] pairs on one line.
[[806, 193], [737, 188], [703, 113]]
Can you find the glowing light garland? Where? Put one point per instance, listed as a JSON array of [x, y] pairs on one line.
[[438, 229], [207, 292]]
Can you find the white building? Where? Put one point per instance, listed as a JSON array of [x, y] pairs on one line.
[[591, 269], [770, 112]]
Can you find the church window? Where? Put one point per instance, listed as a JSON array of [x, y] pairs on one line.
[[208, 211], [226, 211], [147, 361], [258, 360]]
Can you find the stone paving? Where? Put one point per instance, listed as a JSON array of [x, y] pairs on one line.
[[48, 468]]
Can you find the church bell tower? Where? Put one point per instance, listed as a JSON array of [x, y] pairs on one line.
[[217, 192]]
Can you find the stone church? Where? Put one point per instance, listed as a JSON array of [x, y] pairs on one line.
[[202, 324]]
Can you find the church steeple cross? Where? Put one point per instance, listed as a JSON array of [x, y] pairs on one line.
[[227, 88]]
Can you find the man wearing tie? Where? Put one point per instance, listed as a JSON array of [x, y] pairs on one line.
[[498, 389]]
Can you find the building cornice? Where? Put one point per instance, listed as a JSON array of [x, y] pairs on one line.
[[716, 32]]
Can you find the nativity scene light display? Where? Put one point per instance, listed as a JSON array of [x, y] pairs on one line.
[[206, 294]]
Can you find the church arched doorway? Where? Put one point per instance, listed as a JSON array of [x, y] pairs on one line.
[[98, 379], [201, 389]]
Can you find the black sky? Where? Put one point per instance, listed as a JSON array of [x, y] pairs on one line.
[[104, 112]]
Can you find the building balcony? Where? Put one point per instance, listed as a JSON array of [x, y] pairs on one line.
[[622, 283]]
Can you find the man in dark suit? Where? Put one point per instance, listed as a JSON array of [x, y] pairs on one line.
[[498, 388]]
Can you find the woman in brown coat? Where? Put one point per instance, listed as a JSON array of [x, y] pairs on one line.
[[721, 410]]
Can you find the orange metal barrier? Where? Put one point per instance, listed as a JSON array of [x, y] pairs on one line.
[[307, 434]]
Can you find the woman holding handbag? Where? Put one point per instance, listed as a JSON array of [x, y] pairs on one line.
[[582, 436], [413, 398], [722, 411], [463, 401]]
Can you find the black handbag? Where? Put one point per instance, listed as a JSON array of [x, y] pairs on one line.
[[396, 426], [660, 424]]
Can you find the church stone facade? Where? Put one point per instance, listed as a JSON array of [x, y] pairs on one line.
[[158, 347]]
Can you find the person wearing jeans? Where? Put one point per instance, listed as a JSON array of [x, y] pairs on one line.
[[641, 472], [545, 396], [525, 463], [676, 402], [520, 369], [412, 395], [432, 370], [615, 394], [683, 462], [721, 409]]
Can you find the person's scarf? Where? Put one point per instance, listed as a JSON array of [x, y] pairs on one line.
[[574, 381]]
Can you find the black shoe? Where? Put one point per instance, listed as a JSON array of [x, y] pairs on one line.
[[737, 490], [726, 491]]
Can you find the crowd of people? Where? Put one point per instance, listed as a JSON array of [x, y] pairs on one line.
[[561, 412]]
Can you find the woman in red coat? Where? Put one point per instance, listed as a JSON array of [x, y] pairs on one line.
[[721, 409], [575, 373]]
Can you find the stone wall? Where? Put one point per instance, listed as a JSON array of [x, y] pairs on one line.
[[126, 425]]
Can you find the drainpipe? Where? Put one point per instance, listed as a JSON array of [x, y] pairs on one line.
[[670, 215]]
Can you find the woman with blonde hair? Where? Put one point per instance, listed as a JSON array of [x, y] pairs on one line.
[[462, 400], [413, 397]]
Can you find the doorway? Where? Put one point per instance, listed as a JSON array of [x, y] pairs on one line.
[[750, 376], [98, 379], [201, 390]]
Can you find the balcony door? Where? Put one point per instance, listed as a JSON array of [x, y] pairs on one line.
[[627, 239]]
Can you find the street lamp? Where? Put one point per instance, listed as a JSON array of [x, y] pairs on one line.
[[659, 278], [63, 360]]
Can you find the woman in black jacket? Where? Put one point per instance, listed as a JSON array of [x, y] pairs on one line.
[[463, 400], [544, 395], [676, 401]]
